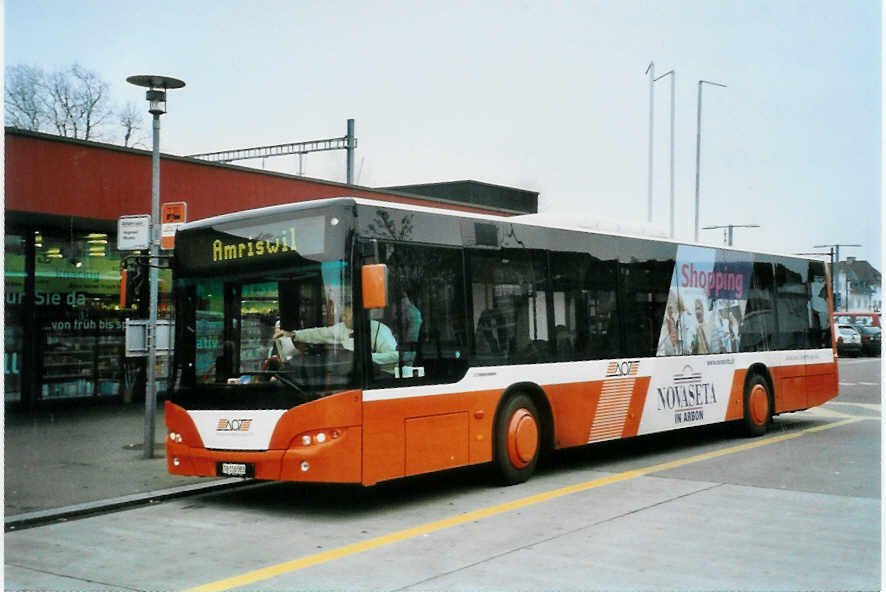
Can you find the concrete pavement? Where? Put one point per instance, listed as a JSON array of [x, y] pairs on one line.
[[83, 459]]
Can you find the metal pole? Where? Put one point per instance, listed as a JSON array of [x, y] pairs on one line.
[[350, 151], [698, 150], [651, 71], [697, 156], [151, 387], [833, 271], [673, 76], [673, 84], [835, 280], [730, 234]]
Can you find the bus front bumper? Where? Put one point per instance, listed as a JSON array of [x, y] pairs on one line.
[[335, 460]]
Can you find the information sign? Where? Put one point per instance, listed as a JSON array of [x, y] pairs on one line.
[[134, 232], [173, 215]]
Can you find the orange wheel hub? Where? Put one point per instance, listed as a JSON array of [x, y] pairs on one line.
[[522, 438], [758, 403]]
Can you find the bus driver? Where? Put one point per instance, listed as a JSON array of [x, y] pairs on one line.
[[383, 343]]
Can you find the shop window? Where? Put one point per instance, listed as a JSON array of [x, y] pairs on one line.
[[14, 278], [76, 297]]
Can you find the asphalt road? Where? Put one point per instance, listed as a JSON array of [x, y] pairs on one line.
[[798, 509]]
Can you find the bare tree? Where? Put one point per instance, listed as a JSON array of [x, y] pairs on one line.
[[74, 102], [58, 104], [92, 104], [130, 117], [24, 97]]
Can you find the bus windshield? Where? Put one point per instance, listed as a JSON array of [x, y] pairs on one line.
[[233, 313]]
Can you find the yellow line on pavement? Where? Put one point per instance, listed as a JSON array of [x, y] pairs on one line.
[[401, 535]]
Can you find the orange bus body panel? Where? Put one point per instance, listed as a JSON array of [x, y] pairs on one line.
[[573, 407], [735, 409], [388, 423], [822, 383], [790, 387], [335, 411]]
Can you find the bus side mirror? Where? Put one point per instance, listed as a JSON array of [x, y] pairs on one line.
[[375, 285]]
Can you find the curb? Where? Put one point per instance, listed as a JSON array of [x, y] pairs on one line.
[[42, 517]]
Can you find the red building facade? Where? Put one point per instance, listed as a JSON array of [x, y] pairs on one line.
[[64, 322]]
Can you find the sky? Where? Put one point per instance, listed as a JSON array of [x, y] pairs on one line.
[[547, 96]]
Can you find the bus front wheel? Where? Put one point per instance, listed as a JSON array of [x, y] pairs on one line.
[[757, 406], [517, 439]]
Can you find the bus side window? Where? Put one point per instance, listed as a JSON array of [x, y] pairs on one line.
[[820, 326], [645, 285], [792, 304], [510, 301], [758, 325], [425, 311], [585, 316]]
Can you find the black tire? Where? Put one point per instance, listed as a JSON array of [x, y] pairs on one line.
[[757, 406], [518, 439]]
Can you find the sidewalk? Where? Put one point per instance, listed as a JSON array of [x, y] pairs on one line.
[[88, 455]]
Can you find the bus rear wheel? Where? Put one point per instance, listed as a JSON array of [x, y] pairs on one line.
[[757, 406], [517, 439]]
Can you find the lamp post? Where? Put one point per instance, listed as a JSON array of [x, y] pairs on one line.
[[156, 97], [727, 230], [650, 70], [835, 267], [698, 149], [673, 76]]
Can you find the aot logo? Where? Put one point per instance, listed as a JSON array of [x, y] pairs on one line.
[[622, 368], [233, 425]]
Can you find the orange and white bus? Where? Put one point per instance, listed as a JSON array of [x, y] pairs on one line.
[[355, 341]]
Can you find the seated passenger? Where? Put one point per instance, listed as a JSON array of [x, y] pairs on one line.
[[411, 318]]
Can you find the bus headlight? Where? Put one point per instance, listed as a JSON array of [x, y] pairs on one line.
[[316, 438]]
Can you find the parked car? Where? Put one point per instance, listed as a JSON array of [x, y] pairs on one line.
[[857, 318], [870, 340], [848, 340]]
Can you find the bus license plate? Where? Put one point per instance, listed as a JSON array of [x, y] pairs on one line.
[[227, 469]]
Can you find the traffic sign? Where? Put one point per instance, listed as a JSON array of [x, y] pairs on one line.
[[172, 215]]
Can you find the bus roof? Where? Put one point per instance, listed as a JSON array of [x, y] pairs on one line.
[[538, 221]]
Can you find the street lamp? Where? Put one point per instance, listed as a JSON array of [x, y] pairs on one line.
[[727, 230], [698, 148], [835, 269], [156, 97], [673, 76], [650, 70]]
